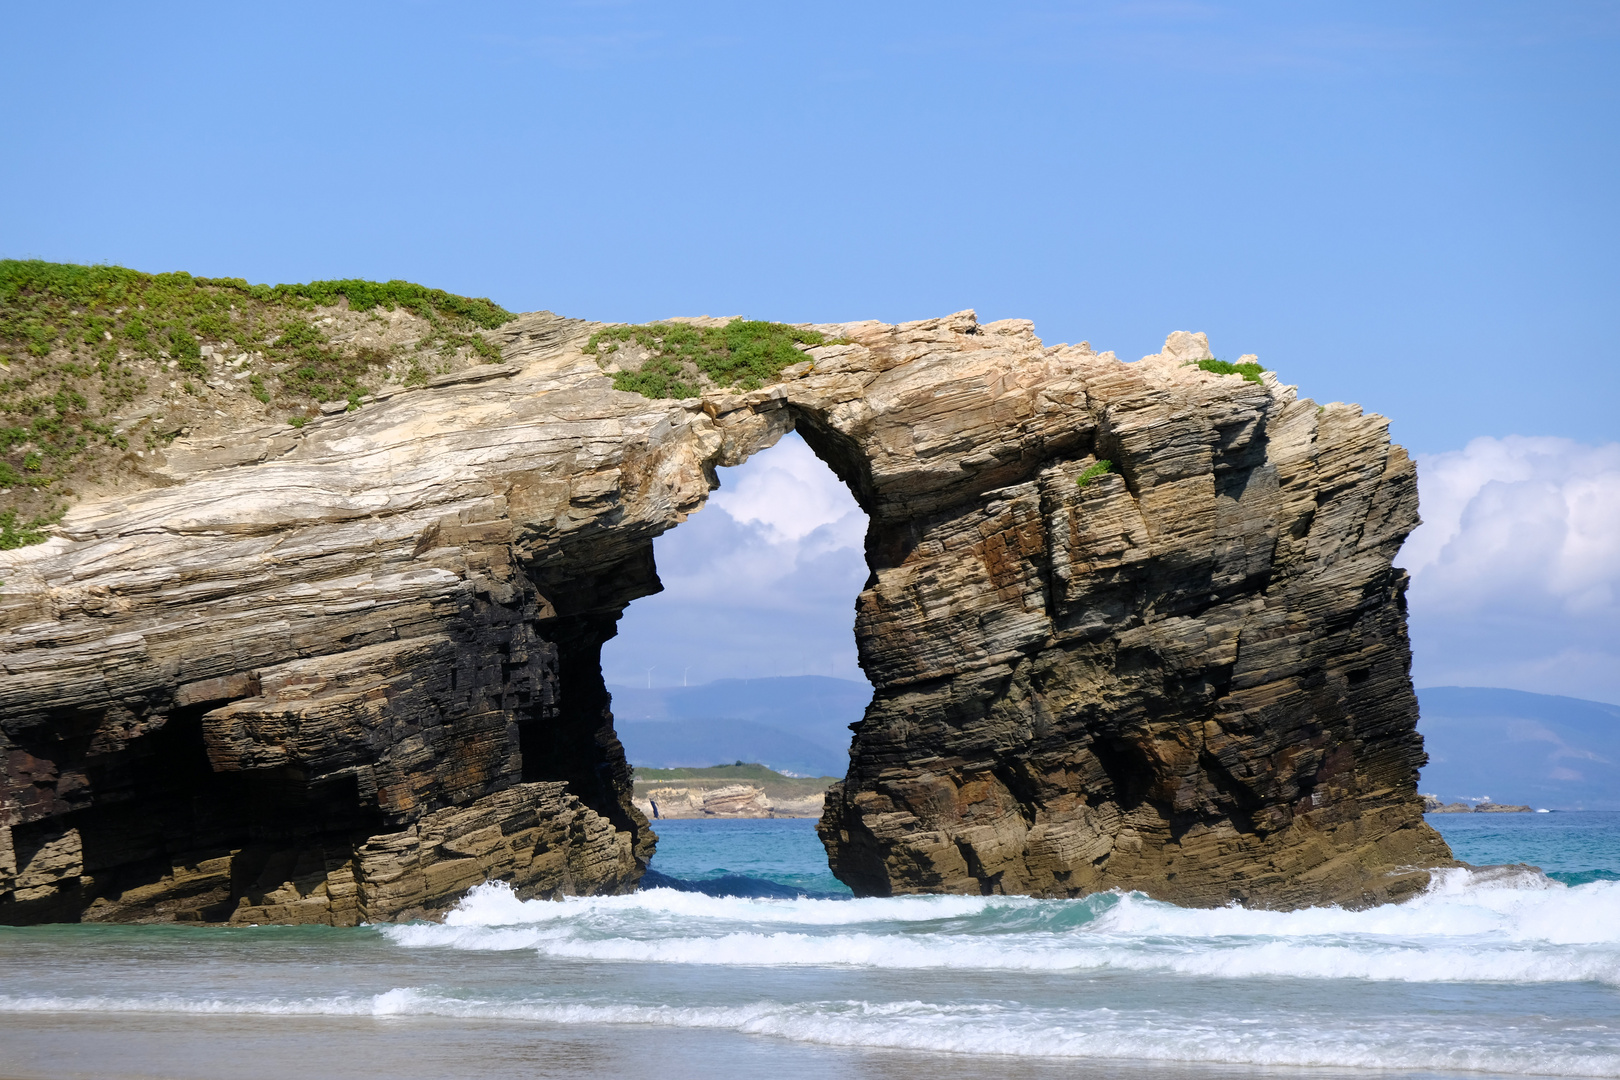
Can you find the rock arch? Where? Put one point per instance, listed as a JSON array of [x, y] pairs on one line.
[[342, 672]]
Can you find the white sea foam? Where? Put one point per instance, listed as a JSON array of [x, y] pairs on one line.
[[978, 1029], [341, 1005], [491, 917], [1409, 963], [1459, 904], [1467, 927], [494, 904]]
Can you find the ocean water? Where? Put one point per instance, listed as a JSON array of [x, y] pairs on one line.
[[1490, 973], [784, 851], [1573, 848]]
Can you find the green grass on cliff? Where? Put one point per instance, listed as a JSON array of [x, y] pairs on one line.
[[80, 345], [16, 534], [1250, 372], [742, 354], [1092, 471]]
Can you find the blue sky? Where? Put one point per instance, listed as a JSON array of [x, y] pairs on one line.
[[1407, 205]]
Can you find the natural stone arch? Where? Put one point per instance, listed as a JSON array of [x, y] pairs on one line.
[[1187, 675]]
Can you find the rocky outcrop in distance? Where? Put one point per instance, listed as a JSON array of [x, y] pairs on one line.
[[1432, 804], [744, 790], [340, 672], [727, 801]]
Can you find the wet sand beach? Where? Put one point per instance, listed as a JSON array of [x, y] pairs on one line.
[[159, 1047]]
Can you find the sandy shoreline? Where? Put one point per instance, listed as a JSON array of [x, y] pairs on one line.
[[150, 1046]]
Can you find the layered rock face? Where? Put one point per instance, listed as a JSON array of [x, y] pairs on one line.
[[339, 673], [1187, 676]]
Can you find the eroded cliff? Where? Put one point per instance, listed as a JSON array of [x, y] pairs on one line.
[[339, 672]]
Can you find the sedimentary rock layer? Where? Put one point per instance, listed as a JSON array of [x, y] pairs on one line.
[[343, 671]]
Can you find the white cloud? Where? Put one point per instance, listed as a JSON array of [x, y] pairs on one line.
[[761, 581], [791, 492], [1516, 568], [772, 518]]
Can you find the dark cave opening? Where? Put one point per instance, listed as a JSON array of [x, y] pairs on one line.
[[160, 807]]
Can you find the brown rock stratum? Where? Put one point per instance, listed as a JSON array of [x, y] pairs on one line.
[[340, 673]]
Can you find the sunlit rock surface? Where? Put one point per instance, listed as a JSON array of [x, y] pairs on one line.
[[342, 672]]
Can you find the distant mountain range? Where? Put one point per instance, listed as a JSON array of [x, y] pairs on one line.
[[1555, 752], [797, 724]]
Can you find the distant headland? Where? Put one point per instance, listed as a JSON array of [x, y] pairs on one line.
[[740, 790]]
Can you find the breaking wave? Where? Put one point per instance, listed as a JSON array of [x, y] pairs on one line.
[[1469, 926]]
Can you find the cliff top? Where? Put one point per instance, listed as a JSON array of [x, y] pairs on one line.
[[101, 365], [103, 368]]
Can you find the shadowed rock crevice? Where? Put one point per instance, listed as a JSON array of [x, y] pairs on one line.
[[343, 672], [574, 741]]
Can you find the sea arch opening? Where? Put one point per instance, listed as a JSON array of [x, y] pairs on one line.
[[734, 686]]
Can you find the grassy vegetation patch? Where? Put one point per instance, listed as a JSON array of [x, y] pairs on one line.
[[432, 304], [81, 345], [1250, 372], [742, 354], [1092, 471], [16, 534]]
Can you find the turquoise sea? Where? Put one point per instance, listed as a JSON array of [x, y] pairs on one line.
[[1573, 848], [1491, 973]]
